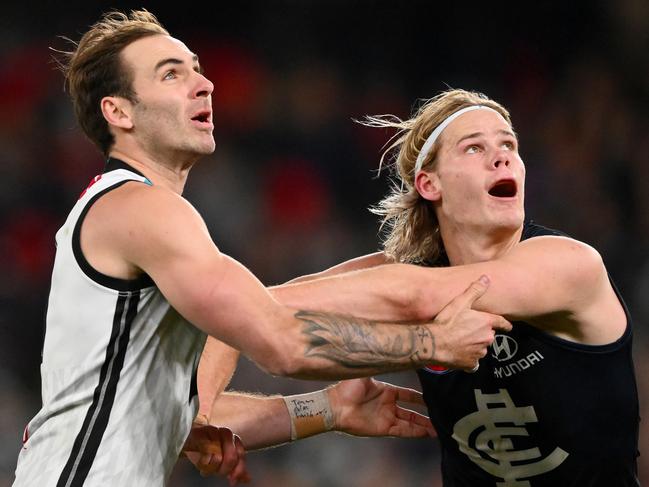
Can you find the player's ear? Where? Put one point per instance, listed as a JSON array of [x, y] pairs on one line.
[[117, 111], [428, 185]]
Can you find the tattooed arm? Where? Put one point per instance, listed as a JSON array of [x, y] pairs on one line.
[[318, 345], [165, 237]]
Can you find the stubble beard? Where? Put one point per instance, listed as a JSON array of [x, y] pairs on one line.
[[165, 131]]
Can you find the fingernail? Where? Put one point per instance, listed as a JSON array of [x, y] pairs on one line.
[[484, 279]]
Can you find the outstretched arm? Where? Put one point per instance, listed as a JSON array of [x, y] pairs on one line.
[[165, 237], [361, 407], [555, 282]]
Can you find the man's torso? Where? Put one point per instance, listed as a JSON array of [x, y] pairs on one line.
[[540, 412], [118, 371]]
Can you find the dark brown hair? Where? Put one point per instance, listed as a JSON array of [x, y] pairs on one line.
[[94, 69]]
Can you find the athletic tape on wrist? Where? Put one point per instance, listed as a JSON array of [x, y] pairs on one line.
[[310, 414]]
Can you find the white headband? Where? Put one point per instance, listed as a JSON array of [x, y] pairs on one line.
[[425, 149]]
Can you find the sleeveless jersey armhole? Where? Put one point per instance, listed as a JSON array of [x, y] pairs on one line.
[[115, 283]]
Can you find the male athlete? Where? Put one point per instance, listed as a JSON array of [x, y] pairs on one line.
[[555, 402], [138, 282]]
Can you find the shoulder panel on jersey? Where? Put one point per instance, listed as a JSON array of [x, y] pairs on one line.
[[533, 229], [112, 164], [118, 284]]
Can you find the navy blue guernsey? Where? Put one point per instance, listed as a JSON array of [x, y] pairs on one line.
[[540, 411]]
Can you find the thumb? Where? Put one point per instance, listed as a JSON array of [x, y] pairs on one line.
[[474, 292]]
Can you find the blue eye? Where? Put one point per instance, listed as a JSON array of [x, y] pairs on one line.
[[171, 74]]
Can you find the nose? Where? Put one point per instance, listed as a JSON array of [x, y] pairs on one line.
[[204, 87], [502, 158]]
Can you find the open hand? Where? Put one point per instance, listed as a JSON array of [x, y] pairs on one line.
[[367, 407]]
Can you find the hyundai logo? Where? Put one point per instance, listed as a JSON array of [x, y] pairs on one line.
[[504, 347]]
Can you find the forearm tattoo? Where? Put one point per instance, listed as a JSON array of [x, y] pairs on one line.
[[359, 343]]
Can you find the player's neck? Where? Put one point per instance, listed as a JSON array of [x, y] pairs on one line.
[[162, 171], [469, 246]]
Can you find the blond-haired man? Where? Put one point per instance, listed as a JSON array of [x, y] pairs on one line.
[[555, 401]]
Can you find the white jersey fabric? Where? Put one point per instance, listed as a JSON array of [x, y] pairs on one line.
[[118, 371]]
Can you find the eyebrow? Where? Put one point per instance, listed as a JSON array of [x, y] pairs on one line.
[[479, 134], [173, 60]]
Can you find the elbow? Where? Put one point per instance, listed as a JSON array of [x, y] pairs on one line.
[[292, 361], [280, 348], [423, 311], [420, 306], [412, 300], [283, 358], [288, 365], [279, 365], [407, 305]]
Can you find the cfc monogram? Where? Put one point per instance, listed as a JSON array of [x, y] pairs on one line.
[[485, 436]]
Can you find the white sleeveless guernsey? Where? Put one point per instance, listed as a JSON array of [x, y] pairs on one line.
[[118, 372]]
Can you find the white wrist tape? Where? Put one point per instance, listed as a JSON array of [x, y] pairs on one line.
[[310, 414]]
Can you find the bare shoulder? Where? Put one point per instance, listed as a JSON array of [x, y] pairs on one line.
[[135, 197], [575, 272], [573, 259], [136, 223], [139, 206], [558, 244]]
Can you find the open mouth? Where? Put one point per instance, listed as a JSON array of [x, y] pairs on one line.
[[203, 117], [505, 188]]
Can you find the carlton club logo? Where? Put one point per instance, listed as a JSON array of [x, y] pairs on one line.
[[488, 438], [503, 348]]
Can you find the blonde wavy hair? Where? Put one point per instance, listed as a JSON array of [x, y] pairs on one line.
[[409, 223]]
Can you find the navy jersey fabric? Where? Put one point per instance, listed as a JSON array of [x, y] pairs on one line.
[[540, 412]]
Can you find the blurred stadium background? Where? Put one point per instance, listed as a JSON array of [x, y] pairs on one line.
[[287, 190]]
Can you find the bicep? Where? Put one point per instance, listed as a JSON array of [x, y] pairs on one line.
[[211, 290], [539, 277], [559, 285], [220, 296]]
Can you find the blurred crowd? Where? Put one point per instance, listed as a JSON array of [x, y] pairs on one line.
[[288, 188]]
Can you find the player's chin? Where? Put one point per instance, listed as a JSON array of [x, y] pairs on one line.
[[205, 147], [508, 218]]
